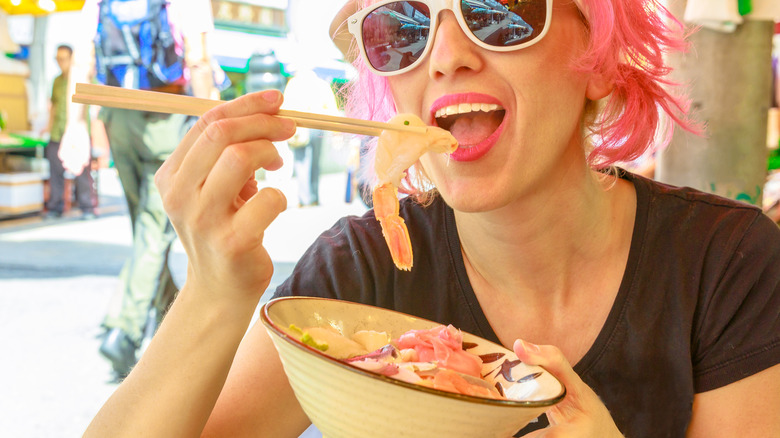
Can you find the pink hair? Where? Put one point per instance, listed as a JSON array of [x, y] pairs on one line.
[[628, 40]]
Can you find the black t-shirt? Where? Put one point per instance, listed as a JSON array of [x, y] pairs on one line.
[[698, 307]]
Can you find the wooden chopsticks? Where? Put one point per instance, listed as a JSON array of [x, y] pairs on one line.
[[152, 101]]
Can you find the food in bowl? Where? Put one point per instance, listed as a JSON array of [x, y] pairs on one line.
[[436, 358], [345, 401]]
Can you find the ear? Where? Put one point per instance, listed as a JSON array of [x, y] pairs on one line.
[[599, 86]]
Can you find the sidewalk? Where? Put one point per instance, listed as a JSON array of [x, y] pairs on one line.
[[56, 278]]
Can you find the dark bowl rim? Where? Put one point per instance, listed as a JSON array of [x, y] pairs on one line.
[[467, 398]]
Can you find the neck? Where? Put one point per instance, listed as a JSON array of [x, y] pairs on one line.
[[546, 244]]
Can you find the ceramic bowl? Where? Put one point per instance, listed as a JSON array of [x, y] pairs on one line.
[[344, 401]]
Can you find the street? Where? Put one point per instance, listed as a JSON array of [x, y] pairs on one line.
[[56, 279]]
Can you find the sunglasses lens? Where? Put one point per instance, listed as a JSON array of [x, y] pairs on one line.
[[506, 23], [395, 34]]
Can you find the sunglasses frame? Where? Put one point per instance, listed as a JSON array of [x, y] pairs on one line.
[[355, 25]]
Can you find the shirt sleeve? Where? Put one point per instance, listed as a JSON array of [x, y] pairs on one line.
[[739, 322]]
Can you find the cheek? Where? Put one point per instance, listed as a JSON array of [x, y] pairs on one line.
[[431, 167], [405, 93]]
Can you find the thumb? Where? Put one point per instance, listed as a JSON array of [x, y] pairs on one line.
[[550, 358], [541, 433]]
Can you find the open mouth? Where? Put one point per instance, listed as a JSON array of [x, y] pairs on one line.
[[470, 123]]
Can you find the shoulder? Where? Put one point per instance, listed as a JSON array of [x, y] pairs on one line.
[[688, 210], [412, 210], [703, 232], [711, 265], [364, 234], [340, 262], [351, 260]]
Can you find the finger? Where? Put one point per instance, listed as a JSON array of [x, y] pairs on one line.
[[225, 132], [550, 358], [249, 189], [554, 432], [541, 433], [258, 213], [234, 167], [267, 102]]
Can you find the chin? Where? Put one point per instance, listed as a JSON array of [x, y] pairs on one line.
[[470, 200]]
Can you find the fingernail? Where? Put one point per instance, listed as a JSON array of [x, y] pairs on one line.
[[272, 96], [529, 347]]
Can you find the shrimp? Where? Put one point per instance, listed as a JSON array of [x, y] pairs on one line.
[[396, 152]]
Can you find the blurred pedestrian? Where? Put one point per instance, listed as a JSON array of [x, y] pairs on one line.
[[81, 171], [152, 45], [308, 92]]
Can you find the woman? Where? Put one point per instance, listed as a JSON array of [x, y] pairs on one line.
[[665, 300]]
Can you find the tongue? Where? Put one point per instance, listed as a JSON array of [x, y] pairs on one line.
[[470, 129]]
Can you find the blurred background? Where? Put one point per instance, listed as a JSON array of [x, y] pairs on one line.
[[57, 276]]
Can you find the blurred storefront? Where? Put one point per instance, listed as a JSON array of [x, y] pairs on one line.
[[294, 32]]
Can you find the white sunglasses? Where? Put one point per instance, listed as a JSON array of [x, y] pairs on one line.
[[394, 36]]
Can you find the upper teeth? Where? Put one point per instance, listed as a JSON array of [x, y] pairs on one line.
[[462, 108]]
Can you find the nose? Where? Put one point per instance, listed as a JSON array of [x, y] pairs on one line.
[[452, 50]]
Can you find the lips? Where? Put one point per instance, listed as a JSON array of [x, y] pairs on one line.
[[475, 120]]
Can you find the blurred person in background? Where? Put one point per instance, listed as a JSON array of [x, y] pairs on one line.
[[166, 51], [80, 171], [308, 92]]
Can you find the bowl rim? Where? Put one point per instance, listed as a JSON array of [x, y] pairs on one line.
[[463, 397]]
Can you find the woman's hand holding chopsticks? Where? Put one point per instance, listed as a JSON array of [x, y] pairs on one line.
[[209, 191], [211, 195]]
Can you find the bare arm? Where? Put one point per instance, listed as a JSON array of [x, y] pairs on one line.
[[210, 194], [50, 123], [244, 407], [198, 61], [749, 407], [174, 386]]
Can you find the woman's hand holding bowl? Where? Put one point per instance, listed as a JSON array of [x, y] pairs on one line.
[[581, 413]]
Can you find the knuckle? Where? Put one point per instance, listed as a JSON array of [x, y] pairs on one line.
[[217, 131], [170, 202], [554, 353], [161, 176], [237, 156], [203, 122], [212, 116]]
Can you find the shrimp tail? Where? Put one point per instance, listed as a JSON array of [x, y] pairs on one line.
[[393, 226]]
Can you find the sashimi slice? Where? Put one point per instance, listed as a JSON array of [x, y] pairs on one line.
[[443, 345]]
